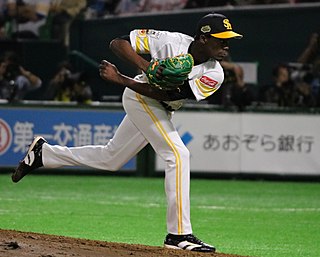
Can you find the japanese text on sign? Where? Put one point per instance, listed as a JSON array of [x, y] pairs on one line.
[[251, 142], [64, 134]]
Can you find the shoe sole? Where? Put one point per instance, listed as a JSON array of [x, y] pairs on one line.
[[190, 250], [172, 247], [14, 176]]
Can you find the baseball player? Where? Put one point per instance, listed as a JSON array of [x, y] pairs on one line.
[[149, 111]]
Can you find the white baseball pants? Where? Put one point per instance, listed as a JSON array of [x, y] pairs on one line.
[[146, 122]]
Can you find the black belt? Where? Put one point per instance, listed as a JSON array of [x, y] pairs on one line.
[[167, 107]]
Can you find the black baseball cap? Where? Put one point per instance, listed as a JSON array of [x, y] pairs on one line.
[[216, 25]]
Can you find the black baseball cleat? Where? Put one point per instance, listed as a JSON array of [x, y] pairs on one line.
[[31, 161], [187, 242]]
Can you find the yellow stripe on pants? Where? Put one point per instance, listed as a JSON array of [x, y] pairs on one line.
[[176, 154]]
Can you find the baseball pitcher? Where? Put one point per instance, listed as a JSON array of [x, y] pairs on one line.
[[181, 67]]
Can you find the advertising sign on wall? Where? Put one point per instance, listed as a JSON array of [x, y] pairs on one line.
[[250, 142], [65, 127]]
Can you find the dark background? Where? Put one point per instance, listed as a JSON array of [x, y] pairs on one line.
[[271, 36]]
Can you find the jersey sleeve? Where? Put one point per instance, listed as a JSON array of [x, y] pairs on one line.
[[159, 44], [205, 84], [146, 41], [140, 41]]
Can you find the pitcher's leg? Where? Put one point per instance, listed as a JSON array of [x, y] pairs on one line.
[[155, 124], [177, 186], [125, 144]]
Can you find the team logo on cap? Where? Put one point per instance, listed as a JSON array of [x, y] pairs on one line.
[[227, 24], [205, 29]]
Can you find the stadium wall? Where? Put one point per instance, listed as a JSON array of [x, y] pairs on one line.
[[231, 143]]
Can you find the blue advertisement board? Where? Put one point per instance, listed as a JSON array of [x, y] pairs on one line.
[[65, 127]]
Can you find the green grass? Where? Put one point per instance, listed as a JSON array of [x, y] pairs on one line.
[[266, 219]]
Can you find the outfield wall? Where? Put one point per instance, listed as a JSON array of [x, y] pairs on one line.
[[220, 142], [277, 143]]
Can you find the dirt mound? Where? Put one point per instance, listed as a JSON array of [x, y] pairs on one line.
[[27, 244]]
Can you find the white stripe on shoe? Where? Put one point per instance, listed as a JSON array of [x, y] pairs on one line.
[[184, 245], [29, 159], [188, 246]]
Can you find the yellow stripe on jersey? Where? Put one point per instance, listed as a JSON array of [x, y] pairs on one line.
[[166, 137], [204, 89], [142, 45]]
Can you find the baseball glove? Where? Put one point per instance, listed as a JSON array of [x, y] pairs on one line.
[[175, 71]]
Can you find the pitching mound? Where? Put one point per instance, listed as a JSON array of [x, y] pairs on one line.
[[26, 244]]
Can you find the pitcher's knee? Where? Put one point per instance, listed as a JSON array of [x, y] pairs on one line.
[[184, 153], [180, 155]]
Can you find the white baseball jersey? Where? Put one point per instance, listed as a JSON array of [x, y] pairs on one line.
[[204, 79]]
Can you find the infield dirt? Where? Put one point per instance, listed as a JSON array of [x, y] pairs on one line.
[[27, 244]]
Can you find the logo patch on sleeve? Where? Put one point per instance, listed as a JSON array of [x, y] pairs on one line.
[[208, 81], [142, 32]]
